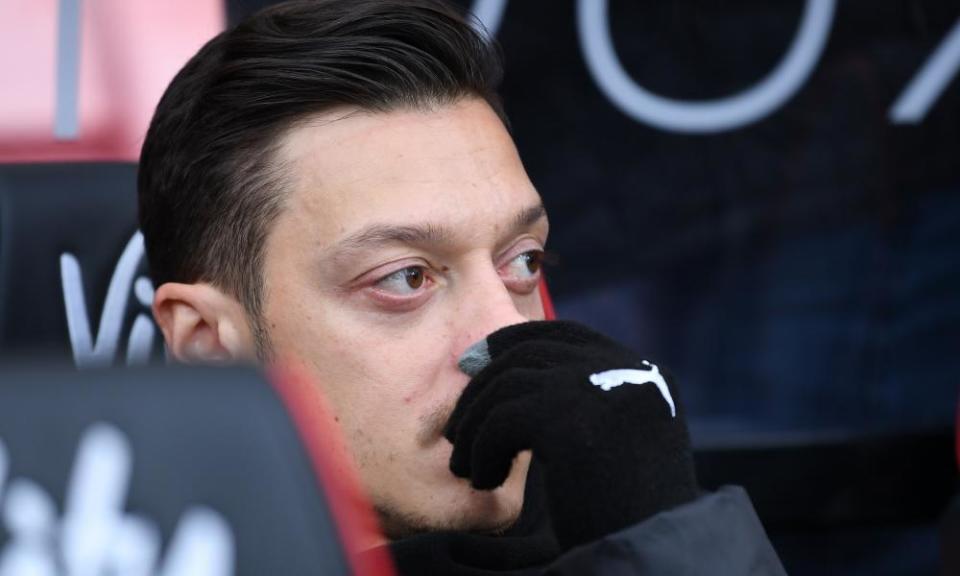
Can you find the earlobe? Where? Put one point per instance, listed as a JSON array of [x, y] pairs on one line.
[[200, 323]]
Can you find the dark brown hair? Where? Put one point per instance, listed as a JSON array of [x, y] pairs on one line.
[[209, 184]]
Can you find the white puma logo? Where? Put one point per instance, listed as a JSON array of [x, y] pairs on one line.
[[613, 378]]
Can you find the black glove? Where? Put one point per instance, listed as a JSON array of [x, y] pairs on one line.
[[602, 422]]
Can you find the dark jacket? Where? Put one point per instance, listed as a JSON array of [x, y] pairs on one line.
[[716, 534]]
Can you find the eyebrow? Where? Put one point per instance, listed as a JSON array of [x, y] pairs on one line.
[[422, 234], [528, 217], [386, 234]]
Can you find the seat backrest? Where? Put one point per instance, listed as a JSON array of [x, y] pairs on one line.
[[171, 471], [73, 281]]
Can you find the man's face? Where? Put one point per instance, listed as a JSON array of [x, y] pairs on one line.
[[406, 237]]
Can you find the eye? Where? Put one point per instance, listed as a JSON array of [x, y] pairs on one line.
[[407, 281], [526, 265]]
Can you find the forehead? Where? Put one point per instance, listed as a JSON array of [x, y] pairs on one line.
[[454, 164]]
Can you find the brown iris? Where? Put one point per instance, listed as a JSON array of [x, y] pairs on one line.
[[533, 260], [414, 277]]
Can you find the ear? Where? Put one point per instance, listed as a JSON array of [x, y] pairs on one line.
[[202, 324]]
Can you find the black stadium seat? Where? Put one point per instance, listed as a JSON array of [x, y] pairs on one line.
[[172, 472], [73, 281]]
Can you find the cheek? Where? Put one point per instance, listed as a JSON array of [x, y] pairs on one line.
[[530, 305], [373, 372]]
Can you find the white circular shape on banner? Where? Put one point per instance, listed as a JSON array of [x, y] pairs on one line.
[[703, 116], [490, 14]]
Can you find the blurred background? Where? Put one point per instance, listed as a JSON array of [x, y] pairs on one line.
[[764, 196]]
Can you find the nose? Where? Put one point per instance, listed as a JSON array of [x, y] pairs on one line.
[[486, 306]]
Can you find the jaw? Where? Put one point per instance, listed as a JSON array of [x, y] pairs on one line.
[[448, 503]]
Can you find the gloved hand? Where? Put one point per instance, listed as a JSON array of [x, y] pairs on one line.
[[603, 423]]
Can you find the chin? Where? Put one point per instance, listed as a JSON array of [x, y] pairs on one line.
[[491, 510], [456, 506]]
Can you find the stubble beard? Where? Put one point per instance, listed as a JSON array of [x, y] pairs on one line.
[[398, 524]]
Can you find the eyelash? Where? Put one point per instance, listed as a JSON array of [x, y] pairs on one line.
[[529, 259], [421, 275], [418, 273]]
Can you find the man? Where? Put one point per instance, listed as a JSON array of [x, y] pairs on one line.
[[332, 183]]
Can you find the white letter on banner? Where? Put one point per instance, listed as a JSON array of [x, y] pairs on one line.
[[915, 101], [490, 14], [705, 116]]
